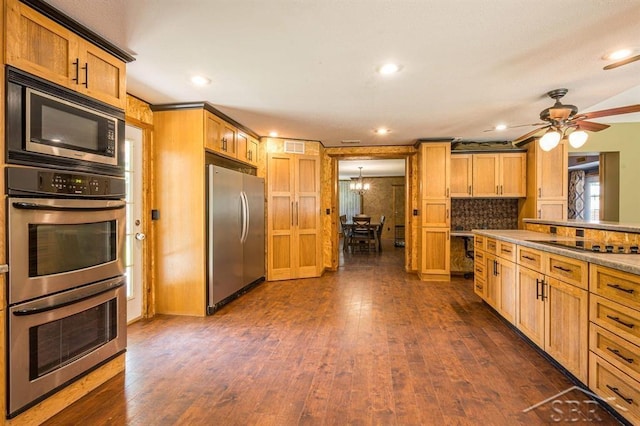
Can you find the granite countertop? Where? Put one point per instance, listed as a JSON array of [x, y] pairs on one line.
[[590, 224], [624, 262]]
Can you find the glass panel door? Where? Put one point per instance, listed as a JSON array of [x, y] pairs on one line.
[[134, 233]]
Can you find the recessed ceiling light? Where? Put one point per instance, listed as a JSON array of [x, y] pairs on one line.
[[382, 131], [273, 134], [389, 68], [616, 55], [501, 127], [199, 80]]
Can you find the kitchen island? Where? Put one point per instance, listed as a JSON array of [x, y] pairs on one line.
[[576, 297]]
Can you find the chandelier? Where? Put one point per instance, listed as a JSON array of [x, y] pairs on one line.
[[358, 185]]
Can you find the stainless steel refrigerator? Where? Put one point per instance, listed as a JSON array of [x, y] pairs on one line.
[[235, 234]]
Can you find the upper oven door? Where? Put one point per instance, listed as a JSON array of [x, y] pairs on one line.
[[56, 244], [58, 127]]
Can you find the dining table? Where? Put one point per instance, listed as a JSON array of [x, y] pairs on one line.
[[350, 226]]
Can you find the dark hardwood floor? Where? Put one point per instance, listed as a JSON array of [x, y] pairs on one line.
[[369, 344]]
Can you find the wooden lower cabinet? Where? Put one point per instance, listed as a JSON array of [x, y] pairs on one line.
[[530, 318], [621, 391], [501, 286], [567, 326], [435, 255]]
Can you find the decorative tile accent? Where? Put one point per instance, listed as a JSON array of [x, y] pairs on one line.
[[481, 213]]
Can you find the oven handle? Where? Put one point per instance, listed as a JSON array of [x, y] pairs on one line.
[[75, 296], [34, 206]]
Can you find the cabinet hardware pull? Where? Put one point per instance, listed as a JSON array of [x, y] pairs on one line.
[[86, 74], [538, 288], [617, 287], [297, 215], [447, 213], [447, 192], [618, 354], [617, 392], [469, 190], [478, 270], [292, 213], [524, 256], [497, 273], [561, 268], [497, 192], [501, 190], [543, 295], [76, 63], [539, 214], [619, 321], [539, 192], [506, 251], [447, 235]]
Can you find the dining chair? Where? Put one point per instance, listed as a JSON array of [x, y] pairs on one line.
[[379, 232], [346, 232], [363, 234]]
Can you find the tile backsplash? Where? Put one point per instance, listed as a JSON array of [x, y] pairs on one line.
[[481, 213]]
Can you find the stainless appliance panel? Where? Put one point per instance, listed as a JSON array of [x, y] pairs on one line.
[[253, 250], [58, 244], [55, 339], [226, 213]]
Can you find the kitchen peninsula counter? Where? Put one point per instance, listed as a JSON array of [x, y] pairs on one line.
[[624, 262], [601, 225]]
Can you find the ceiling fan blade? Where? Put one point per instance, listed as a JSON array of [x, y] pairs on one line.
[[528, 135], [622, 62], [591, 126], [613, 111]]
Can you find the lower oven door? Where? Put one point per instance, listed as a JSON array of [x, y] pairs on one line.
[[58, 244], [56, 339]]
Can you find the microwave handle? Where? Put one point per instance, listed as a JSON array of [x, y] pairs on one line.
[[58, 301], [34, 206]]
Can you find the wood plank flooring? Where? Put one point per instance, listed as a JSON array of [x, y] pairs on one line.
[[368, 344]]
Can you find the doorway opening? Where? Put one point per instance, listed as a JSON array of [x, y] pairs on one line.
[[374, 188], [594, 186]]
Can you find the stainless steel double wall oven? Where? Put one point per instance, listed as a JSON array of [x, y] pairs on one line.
[[65, 238]]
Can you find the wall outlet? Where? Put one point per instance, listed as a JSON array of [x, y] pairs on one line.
[[579, 232], [155, 214], [553, 230]]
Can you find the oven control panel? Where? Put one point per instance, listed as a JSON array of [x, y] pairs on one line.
[[22, 180]]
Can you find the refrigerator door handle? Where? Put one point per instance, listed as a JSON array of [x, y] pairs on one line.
[[245, 217]]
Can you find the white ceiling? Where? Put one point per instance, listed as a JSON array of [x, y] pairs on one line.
[[307, 68]]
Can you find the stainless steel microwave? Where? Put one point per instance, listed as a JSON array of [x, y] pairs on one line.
[[51, 126]]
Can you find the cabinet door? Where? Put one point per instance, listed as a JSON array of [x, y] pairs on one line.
[[556, 210], [513, 182], [242, 142], [40, 46], [252, 151], [436, 213], [102, 76], [492, 291], [530, 311], [552, 172], [307, 254], [435, 256], [280, 218], [436, 159], [486, 180], [566, 326], [212, 132], [229, 141], [507, 276], [461, 175]]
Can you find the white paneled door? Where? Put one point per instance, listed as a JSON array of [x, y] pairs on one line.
[[135, 237]]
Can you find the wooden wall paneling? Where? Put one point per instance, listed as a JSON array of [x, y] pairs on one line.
[[179, 197]]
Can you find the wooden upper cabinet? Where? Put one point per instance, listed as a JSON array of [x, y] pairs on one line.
[[247, 149], [212, 132], [499, 175], [229, 141], [461, 175], [436, 160], [40, 46], [552, 173]]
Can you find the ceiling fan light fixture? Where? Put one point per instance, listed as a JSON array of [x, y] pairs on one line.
[[578, 138], [550, 140]]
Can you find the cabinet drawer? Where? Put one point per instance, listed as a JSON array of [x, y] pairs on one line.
[[478, 242], [569, 270], [616, 350], [615, 285], [531, 258], [491, 246], [479, 286], [479, 267], [621, 391], [614, 317], [507, 250]]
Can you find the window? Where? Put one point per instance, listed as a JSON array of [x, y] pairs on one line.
[[349, 200], [592, 198]]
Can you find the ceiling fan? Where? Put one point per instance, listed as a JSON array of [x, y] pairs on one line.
[[562, 120]]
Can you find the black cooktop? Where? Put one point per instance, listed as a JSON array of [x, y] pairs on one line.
[[593, 246]]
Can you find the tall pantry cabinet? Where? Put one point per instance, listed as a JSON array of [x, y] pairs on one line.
[[435, 211], [293, 220]]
